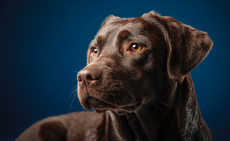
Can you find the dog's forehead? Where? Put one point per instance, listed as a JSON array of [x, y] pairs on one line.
[[113, 27], [119, 26]]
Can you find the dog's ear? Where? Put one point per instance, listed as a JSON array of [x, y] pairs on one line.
[[187, 46]]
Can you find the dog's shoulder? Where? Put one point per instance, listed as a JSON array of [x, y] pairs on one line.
[[77, 126]]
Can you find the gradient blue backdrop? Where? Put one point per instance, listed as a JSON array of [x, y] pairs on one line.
[[43, 45]]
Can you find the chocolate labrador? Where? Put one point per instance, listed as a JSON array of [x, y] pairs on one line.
[[138, 81]]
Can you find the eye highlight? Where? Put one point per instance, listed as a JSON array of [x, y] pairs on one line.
[[135, 47], [94, 51]]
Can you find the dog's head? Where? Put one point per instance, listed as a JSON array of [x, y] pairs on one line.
[[134, 61]]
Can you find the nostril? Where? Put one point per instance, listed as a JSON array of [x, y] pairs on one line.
[[89, 77], [79, 79]]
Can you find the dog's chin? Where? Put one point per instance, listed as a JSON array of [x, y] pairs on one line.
[[117, 112], [100, 106]]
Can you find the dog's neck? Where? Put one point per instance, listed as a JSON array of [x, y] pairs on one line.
[[180, 120], [115, 127], [159, 121]]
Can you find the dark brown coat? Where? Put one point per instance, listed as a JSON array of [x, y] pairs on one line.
[[138, 78]]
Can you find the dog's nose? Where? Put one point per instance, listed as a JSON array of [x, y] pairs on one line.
[[88, 76]]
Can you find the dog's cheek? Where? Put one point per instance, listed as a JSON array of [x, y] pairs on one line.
[[142, 66], [149, 64]]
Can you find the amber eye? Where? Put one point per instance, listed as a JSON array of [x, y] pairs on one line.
[[135, 47], [94, 51]]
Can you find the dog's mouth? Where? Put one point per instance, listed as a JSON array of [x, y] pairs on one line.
[[120, 100], [100, 105]]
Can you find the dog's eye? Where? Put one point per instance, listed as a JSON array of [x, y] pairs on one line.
[[94, 51], [135, 47]]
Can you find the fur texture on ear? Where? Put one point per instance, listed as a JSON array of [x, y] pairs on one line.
[[187, 46]]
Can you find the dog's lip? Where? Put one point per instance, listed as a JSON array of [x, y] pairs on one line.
[[118, 111], [112, 106]]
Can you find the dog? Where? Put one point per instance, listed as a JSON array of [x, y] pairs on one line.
[[138, 81]]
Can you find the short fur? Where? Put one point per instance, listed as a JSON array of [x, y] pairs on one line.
[[146, 95]]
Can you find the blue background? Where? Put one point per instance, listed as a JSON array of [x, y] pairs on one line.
[[43, 45]]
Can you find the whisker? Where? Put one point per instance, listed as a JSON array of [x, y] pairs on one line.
[[72, 100], [127, 99], [114, 97], [164, 103], [78, 105], [73, 91], [155, 106], [159, 109], [135, 100]]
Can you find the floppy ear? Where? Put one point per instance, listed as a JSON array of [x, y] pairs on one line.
[[187, 46]]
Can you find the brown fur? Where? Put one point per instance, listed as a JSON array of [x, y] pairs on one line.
[[53, 130], [146, 95]]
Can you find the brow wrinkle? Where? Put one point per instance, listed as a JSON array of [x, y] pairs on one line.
[[100, 42]]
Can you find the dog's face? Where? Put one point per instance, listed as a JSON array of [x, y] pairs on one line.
[[129, 62]]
